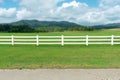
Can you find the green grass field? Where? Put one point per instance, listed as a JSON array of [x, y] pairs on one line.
[[68, 33], [56, 56]]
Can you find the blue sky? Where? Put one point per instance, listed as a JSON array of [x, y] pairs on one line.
[[13, 3], [85, 12], [9, 4], [91, 3]]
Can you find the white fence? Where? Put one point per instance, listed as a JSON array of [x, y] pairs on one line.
[[62, 40]]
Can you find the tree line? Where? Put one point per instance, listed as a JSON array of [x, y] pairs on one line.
[[26, 28]]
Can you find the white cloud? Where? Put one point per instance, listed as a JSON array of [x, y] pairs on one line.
[[40, 9], [109, 3], [70, 11], [73, 4], [7, 12], [39, 4], [23, 13], [112, 14], [107, 11], [7, 15]]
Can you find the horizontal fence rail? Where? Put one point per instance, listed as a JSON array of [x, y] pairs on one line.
[[61, 40]]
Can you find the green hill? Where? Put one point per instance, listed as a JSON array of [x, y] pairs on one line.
[[108, 26], [36, 23]]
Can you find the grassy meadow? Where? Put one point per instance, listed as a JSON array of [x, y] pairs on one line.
[[69, 33], [56, 56]]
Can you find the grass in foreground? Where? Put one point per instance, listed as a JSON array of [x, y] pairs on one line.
[[55, 56]]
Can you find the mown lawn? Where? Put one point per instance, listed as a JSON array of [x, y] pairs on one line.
[[56, 56]]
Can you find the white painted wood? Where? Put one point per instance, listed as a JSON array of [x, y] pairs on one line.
[[25, 37], [87, 40], [5, 43], [12, 39], [5, 36], [75, 43], [49, 36], [62, 40], [51, 43], [23, 43], [112, 40], [74, 36], [37, 40]]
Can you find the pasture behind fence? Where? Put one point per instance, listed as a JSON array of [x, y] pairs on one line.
[[61, 40]]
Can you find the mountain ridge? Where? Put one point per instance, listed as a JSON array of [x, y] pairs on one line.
[[37, 23], [108, 26], [62, 24]]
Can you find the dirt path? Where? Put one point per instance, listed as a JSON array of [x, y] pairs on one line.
[[62, 74]]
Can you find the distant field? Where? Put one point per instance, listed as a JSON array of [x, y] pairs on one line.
[[56, 56], [74, 33]]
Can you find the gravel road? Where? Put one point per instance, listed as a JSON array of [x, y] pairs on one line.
[[61, 74]]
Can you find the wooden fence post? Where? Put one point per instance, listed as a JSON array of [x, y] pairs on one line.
[[62, 40], [86, 40], [112, 40], [37, 40], [12, 38]]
